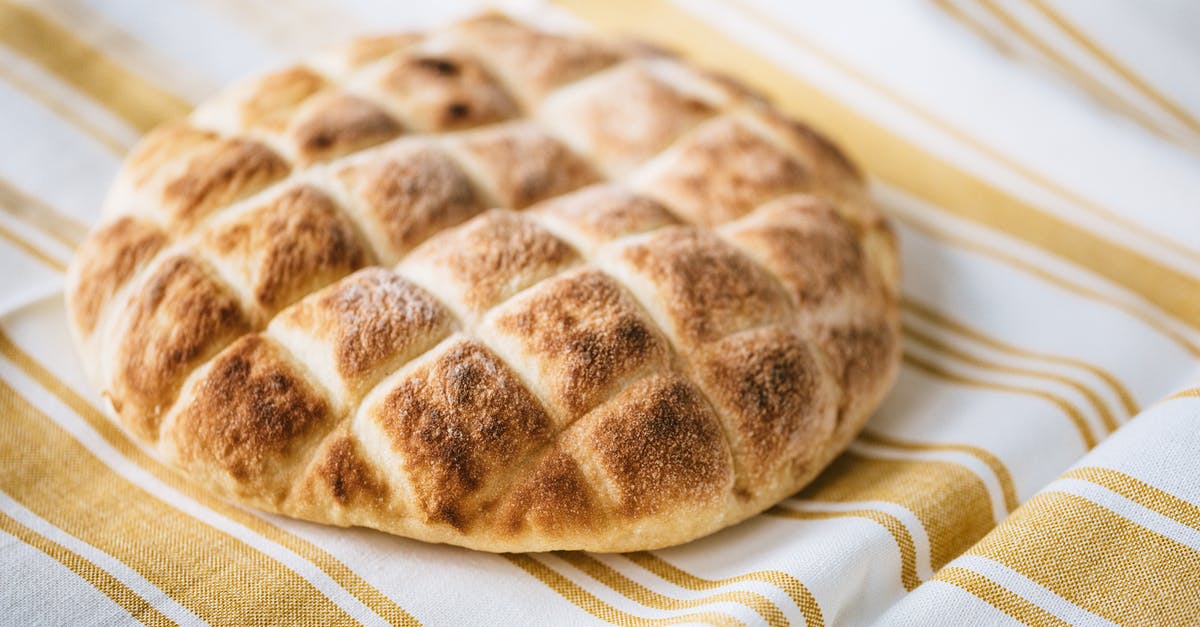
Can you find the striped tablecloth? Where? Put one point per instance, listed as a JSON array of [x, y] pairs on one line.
[[1036, 462]]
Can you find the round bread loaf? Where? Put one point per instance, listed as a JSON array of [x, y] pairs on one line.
[[492, 286]]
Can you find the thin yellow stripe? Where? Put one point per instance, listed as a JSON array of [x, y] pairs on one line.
[[1142, 493], [796, 591], [1099, 560], [331, 566], [218, 577], [591, 604], [1093, 399], [893, 525], [1097, 88], [30, 249], [1121, 69], [962, 17], [928, 313], [916, 110], [898, 160], [61, 226], [936, 232], [1189, 393], [1008, 489], [89, 70], [631, 589], [1076, 418], [998, 597], [100, 579], [65, 112]]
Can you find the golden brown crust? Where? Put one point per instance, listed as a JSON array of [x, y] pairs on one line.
[[619, 302]]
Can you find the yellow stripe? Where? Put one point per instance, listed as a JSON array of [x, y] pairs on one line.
[[898, 160], [927, 313], [1142, 493], [1008, 488], [1077, 419], [1116, 66], [30, 249], [89, 70], [962, 17], [100, 579], [893, 525], [61, 226], [1189, 393], [1099, 560], [929, 341], [631, 589], [1097, 88], [64, 111], [331, 566], [216, 576], [936, 232], [998, 597], [938, 122], [591, 604], [796, 591]]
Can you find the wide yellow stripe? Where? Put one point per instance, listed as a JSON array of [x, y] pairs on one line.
[[1099, 560], [60, 52], [951, 502], [931, 230], [100, 579], [61, 226], [893, 525], [590, 603], [924, 339], [929, 314], [331, 566], [1072, 414], [898, 160], [1142, 493], [1008, 488], [1116, 66], [998, 597], [631, 589], [938, 122], [64, 111], [31, 249], [794, 588], [216, 576]]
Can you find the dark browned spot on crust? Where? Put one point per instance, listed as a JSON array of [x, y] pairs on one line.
[[371, 318], [445, 92], [813, 250], [110, 256], [217, 176], [349, 478], [496, 255], [249, 414], [723, 171], [708, 288], [630, 115], [272, 99], [340, 124], [460, 421], [603, 213], [364, 50], [162, 146], [661, 446], [863, 356], [533, 61], [290, 247], [180, 317], [586, 334], [413, 194], [769, 383], [553, 498], [525, 165]]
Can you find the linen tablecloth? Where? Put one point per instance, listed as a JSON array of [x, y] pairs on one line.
[[1037, 461]]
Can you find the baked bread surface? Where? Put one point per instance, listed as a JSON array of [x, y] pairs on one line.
[[492, 286]]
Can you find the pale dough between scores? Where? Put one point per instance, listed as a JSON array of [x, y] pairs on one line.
[[492, 286]]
